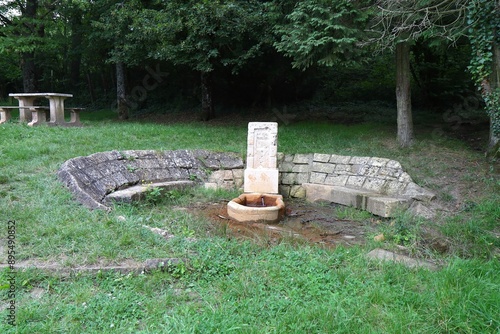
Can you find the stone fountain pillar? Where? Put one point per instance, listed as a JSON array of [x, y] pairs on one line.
[[261, 174], [260, 200]]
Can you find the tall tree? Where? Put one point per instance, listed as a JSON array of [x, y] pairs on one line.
[[484, 34], [115, 27], [397, 25], [203, 35]]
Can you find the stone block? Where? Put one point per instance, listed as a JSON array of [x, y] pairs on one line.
[[301, 168], [359, 160], [321, 157], [394, 188], [322, 167], [284, 190], [405, 178], [286, 166], [378, 162], [374, 184], [289, 157], [336, 194], [339, 159], [262, 180], [289, 178], [237, 173], [414, 191], [368, 170], [389, 173], [302, 158], [394, 164], [318, 178], [336, 180], [297, 192], [385, 206], [262, 145], [302, 178], [342, 169], [355, 181]]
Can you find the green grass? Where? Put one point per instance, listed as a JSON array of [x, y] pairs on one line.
[[226, 285]]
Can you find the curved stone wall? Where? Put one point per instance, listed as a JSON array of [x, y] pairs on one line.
[[94, 177]]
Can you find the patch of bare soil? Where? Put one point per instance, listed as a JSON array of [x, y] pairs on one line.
[[303, 222]]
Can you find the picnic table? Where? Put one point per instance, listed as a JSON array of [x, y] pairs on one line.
[[35, 115]]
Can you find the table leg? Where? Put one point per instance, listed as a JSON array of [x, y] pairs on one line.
[[25, 113], [56, 110], [39, 117]]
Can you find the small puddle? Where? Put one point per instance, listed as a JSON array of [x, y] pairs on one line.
[[303, 221]]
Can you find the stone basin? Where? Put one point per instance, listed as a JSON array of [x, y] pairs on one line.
[[257, 207]]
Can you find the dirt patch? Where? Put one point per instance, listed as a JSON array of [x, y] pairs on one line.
[[303, 222]]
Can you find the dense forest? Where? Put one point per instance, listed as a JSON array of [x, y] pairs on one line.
[[153, 54]]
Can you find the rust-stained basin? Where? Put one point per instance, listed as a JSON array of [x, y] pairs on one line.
[[251, 207]]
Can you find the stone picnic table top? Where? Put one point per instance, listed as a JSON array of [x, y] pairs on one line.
[[56, 107]]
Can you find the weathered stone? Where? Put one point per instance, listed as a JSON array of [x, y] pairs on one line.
[[184, 159], [405, 178], [378, 162], [286, 166], [321, 157], [385, 206], [355, 181], [302, 178], [322, 167], [415, 191], [374, 184], [289, 157], [284, 190], [262, 145], [389, 173], [262, 180], [418, 208], [317, 178], [342, 168], [336, 180], [237, 173], [301, 168], [288, 178], [297, 192], [138, 192], [394, 164], [339, 159], [359, 160], [382, 254], [393, 188], [370, 171], [302, 158]]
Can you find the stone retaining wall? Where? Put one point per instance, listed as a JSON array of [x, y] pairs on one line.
[[380, 175], [94, 177]]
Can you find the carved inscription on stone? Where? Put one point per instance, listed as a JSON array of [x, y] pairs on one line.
[[262, 145]]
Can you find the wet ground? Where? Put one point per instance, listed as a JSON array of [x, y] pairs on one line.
[[303, 222]]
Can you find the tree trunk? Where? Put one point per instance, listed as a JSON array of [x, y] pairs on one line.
[[121, 95], [28, 58], [29, 72], [494, 140], [207, 104], [76, 45], [403, 95]]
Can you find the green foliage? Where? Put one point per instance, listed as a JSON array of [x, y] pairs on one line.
[[484, 34], [322, 32], [202, 34]]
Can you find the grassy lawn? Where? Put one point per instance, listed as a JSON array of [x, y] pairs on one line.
[[233, 286]]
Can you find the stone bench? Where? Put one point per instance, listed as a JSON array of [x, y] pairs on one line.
[[377, 185], [102, 178], [36, 111], [39, 115]]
